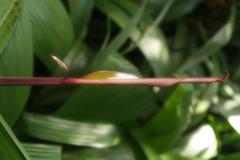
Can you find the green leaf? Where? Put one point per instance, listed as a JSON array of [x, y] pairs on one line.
[[81, 11], [162, 14], [9, 13], [69, 132], [152, 43], [170, 156], [120, 39], [214, 44], [181, 42], [144, 144], [154, 47], [107, 35], [176, 114], [10, 147], [203, 102], [121, 152], [52, 29], [207, 93], [234, 156], [200, 143], [230, 110], [43, 151], [116, 104], [179, 8], [109, 75], [16, 60], [117, 62], [76, 60]]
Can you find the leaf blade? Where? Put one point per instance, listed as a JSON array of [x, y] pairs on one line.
[[125, 104], [10, 147], [43, 151], [97, 135], [214, 44], [9, 12], [16, 60], [52, 29]]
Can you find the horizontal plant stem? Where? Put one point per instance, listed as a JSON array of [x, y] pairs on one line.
[[159, 82]]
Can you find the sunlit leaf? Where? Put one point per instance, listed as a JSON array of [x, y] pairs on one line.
[[178, 107], [123, 151], [207, 93], [43, 151], [152, 44], [109, 75], [170, 156], [230, 110], [128, 40], [201, 143], [144, 144], [203, 102], [69, 132], [120, 39]]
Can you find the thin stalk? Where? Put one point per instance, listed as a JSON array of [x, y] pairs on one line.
[[159, 82]]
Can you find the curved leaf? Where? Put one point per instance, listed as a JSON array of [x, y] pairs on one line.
[[52, 29], [116, 104], [119, 40], [143, 142], [109, 75], [81, 11], [152, 43], [120, 152], [69, 132], [10, 147], [176, 113], [179, 8], [16, 60], [117, 62], [214, 44], [200, 143], [230, 110], [43, 151], [9, 13]]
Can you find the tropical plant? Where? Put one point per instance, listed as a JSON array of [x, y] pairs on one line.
[[148, 38]]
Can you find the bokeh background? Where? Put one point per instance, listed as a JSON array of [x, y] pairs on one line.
[[147, 38]]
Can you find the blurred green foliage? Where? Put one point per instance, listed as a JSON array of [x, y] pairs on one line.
[[148, 38]]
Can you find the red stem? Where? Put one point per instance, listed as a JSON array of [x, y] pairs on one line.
[[160, 82]]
